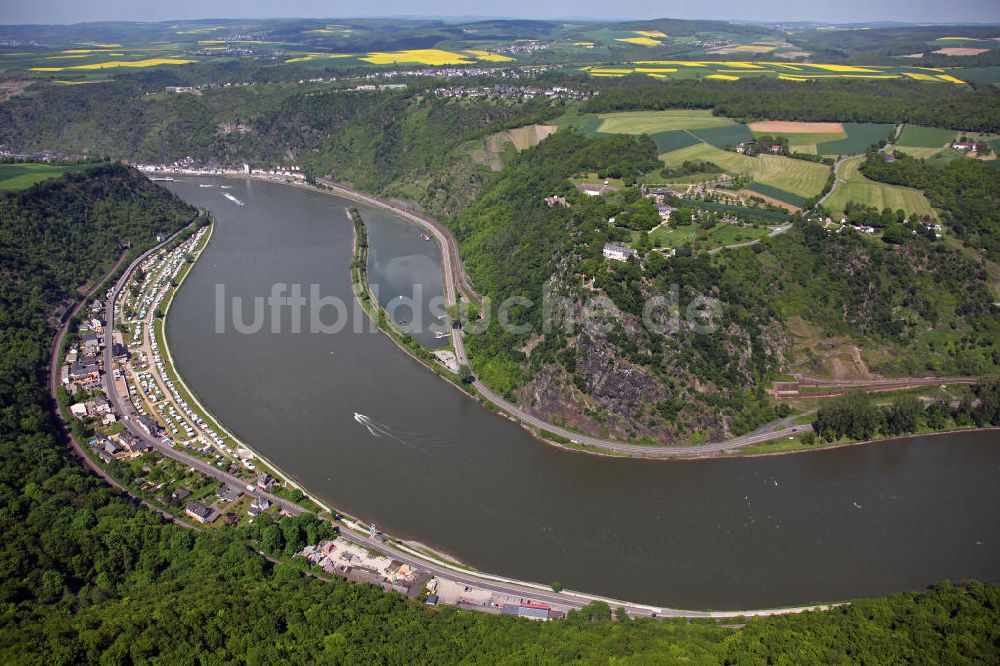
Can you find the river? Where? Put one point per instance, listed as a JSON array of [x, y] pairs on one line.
[[428, 464]]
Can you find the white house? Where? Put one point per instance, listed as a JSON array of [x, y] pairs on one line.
[[79, 410], [618, 252]]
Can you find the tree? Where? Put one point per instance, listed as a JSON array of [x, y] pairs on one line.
[[903, 415]]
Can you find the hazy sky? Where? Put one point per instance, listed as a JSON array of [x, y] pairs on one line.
[[73, 11]]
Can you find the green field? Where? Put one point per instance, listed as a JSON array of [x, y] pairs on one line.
[[653, 122], [805, 179], [674, 140], [805, 142], [859, 189], [779, 194], [23, 176], [859, 137], [914, 136], [717, 236], [730, 135], [941, 157]]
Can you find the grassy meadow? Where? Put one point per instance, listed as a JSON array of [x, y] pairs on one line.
[[23, 176], [859, 189]]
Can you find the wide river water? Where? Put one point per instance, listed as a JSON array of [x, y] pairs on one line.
[[428, 464]]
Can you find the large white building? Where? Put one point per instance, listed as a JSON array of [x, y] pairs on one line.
[[618, 252]]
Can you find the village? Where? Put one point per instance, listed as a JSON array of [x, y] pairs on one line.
[[162, 411]]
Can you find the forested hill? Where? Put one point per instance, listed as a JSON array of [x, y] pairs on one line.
[[784, 304], [88, 577], [410, 144]]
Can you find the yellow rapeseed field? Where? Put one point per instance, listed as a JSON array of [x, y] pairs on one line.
[[920, 76], [649, 33], [419, 56], [150, 62], [317, 56], [488, 56], [641, 41], [685, 63], [723, 77], [845, 68]]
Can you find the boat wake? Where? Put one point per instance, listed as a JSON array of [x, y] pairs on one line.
[[233, 199], [382, 430]]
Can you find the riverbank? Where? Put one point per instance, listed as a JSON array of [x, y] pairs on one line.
[[754, 452]]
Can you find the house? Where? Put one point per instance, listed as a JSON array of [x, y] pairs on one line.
[[101, 405], [179, 494], [78, 410], [530, 611], [200, 512], [83, 371], [265, 481], [148, 425], [259, 506], [593, 189], [660, 191], [135, 444], [111, 448], [618, 252], [556, 201], [227, 494]]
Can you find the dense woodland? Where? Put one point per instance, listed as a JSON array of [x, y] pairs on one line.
[[855, 416], [89, 576], [840, 101]]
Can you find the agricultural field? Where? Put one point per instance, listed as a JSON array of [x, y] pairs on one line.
[[784, 178], [859, 137], [653, 122], [803, 137], [855, 187], [914, 136], [732, 70], [23, 176]]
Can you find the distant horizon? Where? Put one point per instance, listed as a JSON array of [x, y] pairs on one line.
[[848, 12], [473, 18]]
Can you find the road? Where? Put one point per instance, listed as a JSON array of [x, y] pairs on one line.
[[836, 179]]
